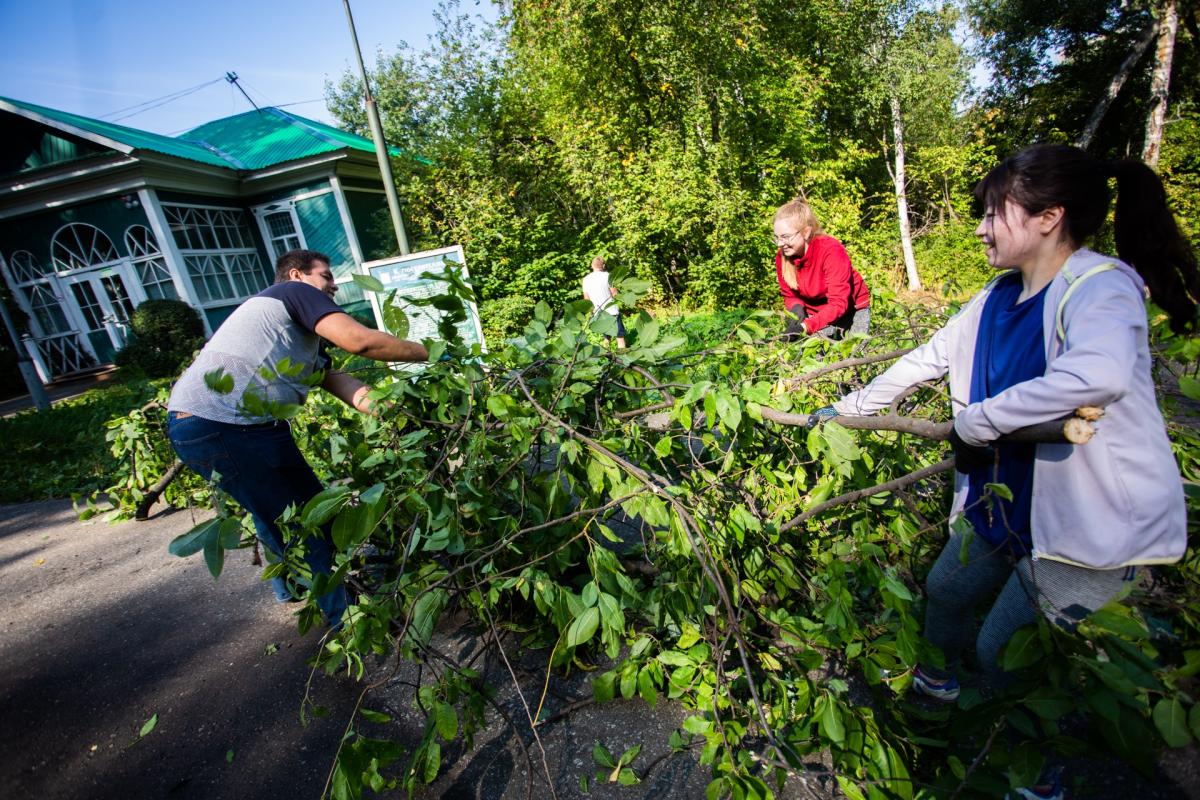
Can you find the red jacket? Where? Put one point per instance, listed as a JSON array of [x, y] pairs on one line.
[[826, 285]]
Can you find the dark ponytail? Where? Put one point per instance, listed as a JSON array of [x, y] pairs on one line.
[[1149, 239], [1045, 176]]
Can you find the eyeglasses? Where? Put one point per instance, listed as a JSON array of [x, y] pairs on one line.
[[785, 239]]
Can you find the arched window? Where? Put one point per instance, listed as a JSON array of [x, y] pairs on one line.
[[79, 245], [148, 260], [33, 280]]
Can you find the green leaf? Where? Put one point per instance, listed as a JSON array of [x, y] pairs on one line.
[[850, 789], [841, 442], [1194, 720], [1001, 491], [1115, 619], [148, 726], [601, 755], [228, 756], [830, 721], [214, 555], [375, 716], [219, 381], [354, 523], [1171, 721], [626, 777], [446, 720], [369, 283], [893, 585], [646, 687], [583, 627], [1049, 703], [604, 687], [433, 761], [192, 542], [1190, 387], [1025, 765], [1023, 649], [425, 613], [321, 508]]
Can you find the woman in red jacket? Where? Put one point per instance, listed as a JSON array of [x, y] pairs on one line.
[[826, 295]]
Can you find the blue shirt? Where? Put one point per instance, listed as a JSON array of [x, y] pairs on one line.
[[1009, 349]]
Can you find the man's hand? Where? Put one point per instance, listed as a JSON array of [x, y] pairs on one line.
[[970, 457], [821, 415]]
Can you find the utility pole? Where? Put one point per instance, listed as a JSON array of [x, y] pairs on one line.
[[24, 363], [381, 148]]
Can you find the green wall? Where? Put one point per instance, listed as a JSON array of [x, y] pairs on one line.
[[34, 233], [323, 230]]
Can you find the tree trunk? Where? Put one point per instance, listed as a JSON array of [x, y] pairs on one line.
[[1160, 83], [1114, 86], [899, 180]]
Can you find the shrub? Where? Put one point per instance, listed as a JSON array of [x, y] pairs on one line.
[[504, 317], [165, 334]]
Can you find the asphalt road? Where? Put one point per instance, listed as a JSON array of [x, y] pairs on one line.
[[102, 629]]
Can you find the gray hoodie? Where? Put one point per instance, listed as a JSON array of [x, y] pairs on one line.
[[1115, 501]]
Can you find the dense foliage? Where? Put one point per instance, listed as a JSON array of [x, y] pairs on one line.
[[663, 135], [528, 492]]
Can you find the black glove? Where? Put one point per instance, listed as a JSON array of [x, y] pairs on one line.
[[969, 457], [820, 415]]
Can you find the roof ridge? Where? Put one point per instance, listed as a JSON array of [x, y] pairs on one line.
[[218, 152], [303, 125]]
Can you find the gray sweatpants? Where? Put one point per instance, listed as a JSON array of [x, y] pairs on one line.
[[1063, 593]]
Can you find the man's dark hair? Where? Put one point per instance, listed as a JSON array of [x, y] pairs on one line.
[[303, 260]]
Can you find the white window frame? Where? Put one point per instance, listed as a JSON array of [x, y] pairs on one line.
[[27, 276], [228, 260], [97, 236], [279, 207], [146, 252]]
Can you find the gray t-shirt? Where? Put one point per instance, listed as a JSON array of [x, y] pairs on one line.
[[269, 349]]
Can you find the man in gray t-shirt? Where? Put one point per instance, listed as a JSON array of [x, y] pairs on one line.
[[272, 350]]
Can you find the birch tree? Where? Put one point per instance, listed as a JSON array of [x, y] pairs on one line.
[[1160, 82]]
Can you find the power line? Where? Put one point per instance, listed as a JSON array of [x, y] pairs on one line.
[[156, 102]]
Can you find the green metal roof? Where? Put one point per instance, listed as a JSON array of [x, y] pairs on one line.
[[125, 139], [249, 141], [258, 139]]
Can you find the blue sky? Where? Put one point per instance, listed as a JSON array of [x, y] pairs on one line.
[[94, 58]]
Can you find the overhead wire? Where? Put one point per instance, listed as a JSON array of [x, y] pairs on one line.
[[138, 108]]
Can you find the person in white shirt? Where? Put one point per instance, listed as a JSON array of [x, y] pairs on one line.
[[596, 289]]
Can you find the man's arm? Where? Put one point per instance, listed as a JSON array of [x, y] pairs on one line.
[[349, 389], [346, 332]]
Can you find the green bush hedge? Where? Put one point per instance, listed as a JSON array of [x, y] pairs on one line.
[[165, 334]]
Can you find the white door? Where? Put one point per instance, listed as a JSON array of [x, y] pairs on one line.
[[104, 300]]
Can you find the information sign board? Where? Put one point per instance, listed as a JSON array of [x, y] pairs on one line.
[[403, 274]]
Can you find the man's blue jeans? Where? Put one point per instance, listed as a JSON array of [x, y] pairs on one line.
[[260, 467]]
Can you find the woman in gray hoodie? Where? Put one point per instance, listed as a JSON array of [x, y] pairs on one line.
[[1061, 327]]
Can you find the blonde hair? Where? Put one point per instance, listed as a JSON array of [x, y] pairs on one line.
[[799, 211], [599, 264]]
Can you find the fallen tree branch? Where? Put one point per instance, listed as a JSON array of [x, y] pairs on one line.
[[859, 494], [859, 361], [154, 492], [1075, 429]]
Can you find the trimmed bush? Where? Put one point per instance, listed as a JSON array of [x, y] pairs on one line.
[[165, 334]]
